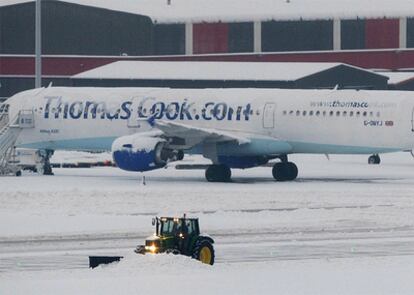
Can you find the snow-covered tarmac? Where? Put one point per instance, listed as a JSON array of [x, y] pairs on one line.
[[343, 227]]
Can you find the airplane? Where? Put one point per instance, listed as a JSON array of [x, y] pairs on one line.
[[147, 128]]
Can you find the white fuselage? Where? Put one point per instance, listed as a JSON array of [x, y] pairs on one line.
[[309, 121]]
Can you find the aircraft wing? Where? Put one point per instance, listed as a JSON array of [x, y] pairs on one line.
[[194, 135]]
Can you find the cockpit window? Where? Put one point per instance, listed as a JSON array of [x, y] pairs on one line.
[[4, 108]]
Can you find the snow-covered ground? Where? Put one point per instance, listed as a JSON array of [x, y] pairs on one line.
[[343, 227]]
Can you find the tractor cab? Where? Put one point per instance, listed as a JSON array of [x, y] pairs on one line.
[[179, 236]]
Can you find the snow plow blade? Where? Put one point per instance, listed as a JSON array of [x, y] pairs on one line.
[[95, 261]]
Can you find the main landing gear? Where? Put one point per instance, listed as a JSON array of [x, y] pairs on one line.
[[218, 173], [374, 159], [283, 171], [45, 168]]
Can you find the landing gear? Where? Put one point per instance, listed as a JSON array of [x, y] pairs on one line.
[[45, 168], [218, 173], [374, 159], [285, 171]]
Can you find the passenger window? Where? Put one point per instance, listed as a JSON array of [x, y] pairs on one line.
[[311, 113], [304, 113], [344, 113], [297, 113], [331, 113], [318, 113]]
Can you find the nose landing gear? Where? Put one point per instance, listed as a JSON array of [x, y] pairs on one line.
[[374, 159]]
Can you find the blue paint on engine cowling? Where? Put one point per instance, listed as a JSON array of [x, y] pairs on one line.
[[137, 161], [242, 162]]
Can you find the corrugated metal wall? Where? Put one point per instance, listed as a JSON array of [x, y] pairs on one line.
[[297, 35], [410, 33], [210, 38], [169, 39], [17, 29], [74, 29], [382, 33], [353, 34], [240, 37]]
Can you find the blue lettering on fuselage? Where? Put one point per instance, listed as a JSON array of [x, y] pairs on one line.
[[56, 108]]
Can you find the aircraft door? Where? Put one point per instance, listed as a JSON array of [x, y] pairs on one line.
[[269, 115]]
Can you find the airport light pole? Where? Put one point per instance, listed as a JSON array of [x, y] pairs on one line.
[[38, 45]]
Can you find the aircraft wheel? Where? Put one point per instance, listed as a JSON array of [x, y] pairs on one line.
[[218, 173], [285, 171], [180, 155], [374, 160]]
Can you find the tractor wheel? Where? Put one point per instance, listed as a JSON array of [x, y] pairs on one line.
[[204, 252]]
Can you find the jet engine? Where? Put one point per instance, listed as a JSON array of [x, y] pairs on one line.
[[142, 153]]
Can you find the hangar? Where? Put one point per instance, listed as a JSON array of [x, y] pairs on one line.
[[400, 80], [192, 74], [79, 35]]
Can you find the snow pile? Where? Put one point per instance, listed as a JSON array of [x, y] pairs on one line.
[[79, 157], [162, 274]]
